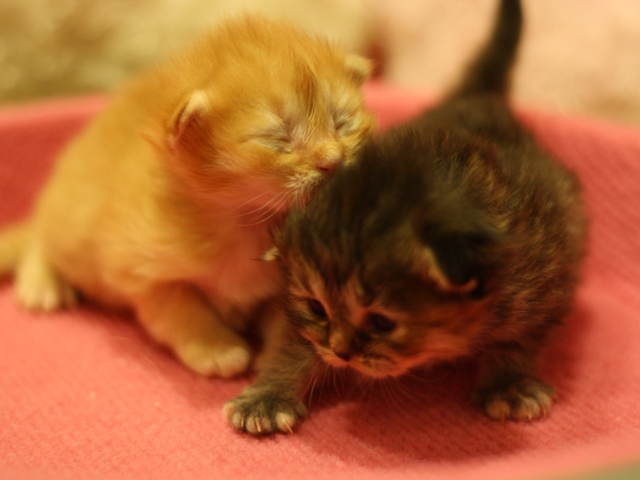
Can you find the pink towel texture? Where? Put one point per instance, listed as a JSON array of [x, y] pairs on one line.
[[85, 394]]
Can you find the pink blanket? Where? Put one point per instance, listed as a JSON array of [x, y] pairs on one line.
[[87, 394]]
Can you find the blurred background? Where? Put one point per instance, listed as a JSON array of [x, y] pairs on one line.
[[579, 57]]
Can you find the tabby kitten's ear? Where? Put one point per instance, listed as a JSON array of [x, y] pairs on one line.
[[459, 261], [271, 255], [360, 67], [188, 119]]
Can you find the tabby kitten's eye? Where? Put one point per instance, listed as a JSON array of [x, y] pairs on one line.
[[381, 323], [316, 308]]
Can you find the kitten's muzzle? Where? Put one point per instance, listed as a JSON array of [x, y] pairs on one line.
[[342, 348], [328, 157], [345, 354]]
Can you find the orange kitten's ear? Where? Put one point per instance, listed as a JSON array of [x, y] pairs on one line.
[[188, 117], [360, 67]]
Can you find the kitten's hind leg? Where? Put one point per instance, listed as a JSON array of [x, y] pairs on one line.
[[180, 317], [39, 287], [508, 391]]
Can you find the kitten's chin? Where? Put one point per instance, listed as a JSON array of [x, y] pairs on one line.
[[302, 187], [378, 372]]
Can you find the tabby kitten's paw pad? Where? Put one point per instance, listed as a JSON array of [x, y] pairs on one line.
[[214, 360], [264, 413], [39, 289], [519, 398]]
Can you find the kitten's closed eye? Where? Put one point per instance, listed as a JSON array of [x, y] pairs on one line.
[[344, 122], [276, 138], [341, 121]]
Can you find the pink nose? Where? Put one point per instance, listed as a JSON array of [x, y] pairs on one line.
[[328, 168], [328, 157]]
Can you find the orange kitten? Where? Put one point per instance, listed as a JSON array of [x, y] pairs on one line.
[[164, 203]]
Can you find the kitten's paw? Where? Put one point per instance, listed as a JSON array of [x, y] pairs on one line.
[[264, 412], [516, 397], [213, 359], [39, 288]]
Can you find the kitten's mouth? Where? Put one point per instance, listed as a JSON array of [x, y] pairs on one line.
[[335, 361], [374, 367]]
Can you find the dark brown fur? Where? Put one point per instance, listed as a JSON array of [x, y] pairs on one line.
[[453, 235]]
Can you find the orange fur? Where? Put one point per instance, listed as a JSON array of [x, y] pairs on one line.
[[164, 203]]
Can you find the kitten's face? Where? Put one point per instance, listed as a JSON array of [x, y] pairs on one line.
[[386, 270], [384, 328], [274, 121], [288, 141]]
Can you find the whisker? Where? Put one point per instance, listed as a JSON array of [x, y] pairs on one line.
[[255, 198], [303, 363], [264, 206], [364, 384], [316, 375], [270, 211], [391, 396], [335, 383], [407, 395], [301, 188], [263, 220]]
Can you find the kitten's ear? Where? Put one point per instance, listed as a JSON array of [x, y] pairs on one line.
[[360, 67], [459, 262], [271, 255], [188, 117]]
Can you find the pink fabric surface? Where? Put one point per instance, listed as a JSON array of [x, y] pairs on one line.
[[85, 394]]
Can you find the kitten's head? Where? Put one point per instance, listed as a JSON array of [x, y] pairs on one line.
[[267, 113], [389, 268]]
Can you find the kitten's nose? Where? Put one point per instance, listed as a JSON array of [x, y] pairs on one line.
[[341, 344], [327, 168], [343, 354], [328, 158]]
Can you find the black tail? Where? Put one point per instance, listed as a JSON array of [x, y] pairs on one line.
[[489, 72]]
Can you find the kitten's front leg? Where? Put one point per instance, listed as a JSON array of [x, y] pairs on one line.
[[507, 388], [179, 316], [39, 287], [274, 401]]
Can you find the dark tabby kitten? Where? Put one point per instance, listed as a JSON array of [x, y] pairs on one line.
[[450, 236]]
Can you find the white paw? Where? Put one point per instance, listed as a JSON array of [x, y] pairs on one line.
[[264, 411], [518, 398], [214, 360], [39, 288]]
